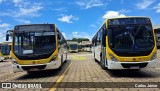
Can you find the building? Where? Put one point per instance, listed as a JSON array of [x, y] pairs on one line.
[[87, 46]]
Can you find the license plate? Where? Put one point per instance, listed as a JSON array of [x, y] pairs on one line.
[[134, 67], [34, 69]]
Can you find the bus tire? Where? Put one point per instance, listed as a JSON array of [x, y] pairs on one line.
[[95, 58], [60, 67], [101, 63], [65, 59], [30, 72], [66, 56], [136, 70]]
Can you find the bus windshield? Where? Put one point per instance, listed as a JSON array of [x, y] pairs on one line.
[[131, 37], [73, 46], [34, 42], [5, 50]]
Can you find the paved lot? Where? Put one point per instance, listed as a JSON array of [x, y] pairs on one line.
[[82, 73]]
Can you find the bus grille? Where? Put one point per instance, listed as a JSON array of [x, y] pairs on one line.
[[140, 65], [32, 67]]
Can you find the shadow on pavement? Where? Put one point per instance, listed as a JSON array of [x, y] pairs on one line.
[[45, 73], [3, 61], [142, 73]]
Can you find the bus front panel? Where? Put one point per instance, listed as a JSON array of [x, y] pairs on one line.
[[130, 43], [35, 47]]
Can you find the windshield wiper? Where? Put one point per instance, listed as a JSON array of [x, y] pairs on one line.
[[137, 31], [132, 36]]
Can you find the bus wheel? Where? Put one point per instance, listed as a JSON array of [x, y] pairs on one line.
[[101, 63], [95, 58], [30, 72], [60, 67], [135, 70], [65, 59]]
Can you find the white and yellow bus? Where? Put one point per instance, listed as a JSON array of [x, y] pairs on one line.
[[80, 48], [157, 33], [125, 43], [5, 49], [73, 46], [37, 47], [87, 46]]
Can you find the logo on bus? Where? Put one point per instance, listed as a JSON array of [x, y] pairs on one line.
[[134, 59], [33, 62]]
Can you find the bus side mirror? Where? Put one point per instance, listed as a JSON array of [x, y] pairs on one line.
[[8, 34], [59, 36], [7, 37]]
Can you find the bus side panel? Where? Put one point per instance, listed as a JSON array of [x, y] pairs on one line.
[[97, 52], [158, 40]]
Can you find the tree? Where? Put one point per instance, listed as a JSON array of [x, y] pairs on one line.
[[79, 39]]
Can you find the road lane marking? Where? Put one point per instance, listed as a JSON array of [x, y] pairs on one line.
[[77, 58], [80, 55], [53, 88]]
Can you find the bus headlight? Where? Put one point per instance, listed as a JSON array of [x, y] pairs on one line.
[[113, 58], [54, 58], [153, 56], [14, 61]]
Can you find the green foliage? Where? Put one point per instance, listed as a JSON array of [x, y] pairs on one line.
[[79, 39]]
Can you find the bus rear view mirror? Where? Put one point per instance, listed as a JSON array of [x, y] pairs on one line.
[[7, 37], [8, 34], [59, 36]]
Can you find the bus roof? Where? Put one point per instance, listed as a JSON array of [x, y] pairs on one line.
[[120, 17], [34, 24], [33, 27]]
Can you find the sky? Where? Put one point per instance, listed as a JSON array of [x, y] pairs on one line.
[[74, 18]]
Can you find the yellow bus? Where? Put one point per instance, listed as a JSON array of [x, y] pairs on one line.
[[5, 48], [80, 47], [125, 43], [37, 47], [73, 46], [157, 33], [87, 46]]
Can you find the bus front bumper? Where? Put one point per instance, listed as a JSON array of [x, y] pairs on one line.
[[4, 58], [132, 65], [37, 67], [73, 51]]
